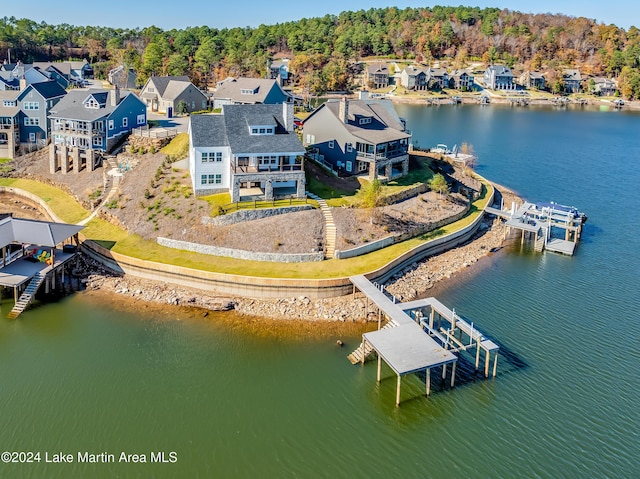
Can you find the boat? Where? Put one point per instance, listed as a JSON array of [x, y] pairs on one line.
[[572, 211], [441, 148]]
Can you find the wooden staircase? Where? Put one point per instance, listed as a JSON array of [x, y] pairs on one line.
[[329, 226], [27, 296], [356, 356]]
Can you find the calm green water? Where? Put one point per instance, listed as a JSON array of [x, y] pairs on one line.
[[80, 376]]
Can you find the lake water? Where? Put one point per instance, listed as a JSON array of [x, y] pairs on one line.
[[81, 376]]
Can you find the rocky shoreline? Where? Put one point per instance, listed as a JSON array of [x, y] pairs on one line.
[[412, 282]]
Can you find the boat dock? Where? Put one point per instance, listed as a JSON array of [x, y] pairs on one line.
[[541, 222], [30, 257], [419, 336]]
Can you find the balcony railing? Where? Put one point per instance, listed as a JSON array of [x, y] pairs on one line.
[[239, 169], [361, 155], [8, 126]]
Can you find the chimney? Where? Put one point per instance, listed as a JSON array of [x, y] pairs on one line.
[[115, 96], [287, 114], [23, 83], [343, 113]]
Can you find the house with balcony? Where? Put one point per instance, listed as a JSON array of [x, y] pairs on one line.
[[376, 75], [88, 122], [437, 78], [250, 151], [9, 124], [572, 81], [499, 77], [279, 70], [534, 80], [462, 80], [359, 137], [604, 86], [413, 78], [249, 91]]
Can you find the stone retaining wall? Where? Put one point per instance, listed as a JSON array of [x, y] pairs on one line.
[[250, 215], [240, 254]]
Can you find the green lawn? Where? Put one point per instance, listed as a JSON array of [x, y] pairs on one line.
[[119, 241], [178, 147]]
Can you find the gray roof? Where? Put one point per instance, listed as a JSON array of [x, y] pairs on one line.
[[385, 125], [500, 70], [459, 73], [161, 83], [72, 107], [413, 70], [42, 233], [436, 72], [48, 89], [232, 88], [572, 75], [232, 129], [378, 68]]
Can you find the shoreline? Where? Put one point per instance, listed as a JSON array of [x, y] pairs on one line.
[[414, 280]]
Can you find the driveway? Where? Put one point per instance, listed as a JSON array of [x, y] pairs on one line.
[[180, 123]]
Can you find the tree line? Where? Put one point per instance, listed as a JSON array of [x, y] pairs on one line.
[[324, 49]]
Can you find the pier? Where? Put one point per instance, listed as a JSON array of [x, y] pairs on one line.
[[34, 254], [419, 336], [541, 221]]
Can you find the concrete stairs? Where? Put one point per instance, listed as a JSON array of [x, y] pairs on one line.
[[27, 296], [112, 177], [356, 356], [330, 231]]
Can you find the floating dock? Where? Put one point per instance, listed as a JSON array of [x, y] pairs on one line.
[[419, 336], [541, 222]]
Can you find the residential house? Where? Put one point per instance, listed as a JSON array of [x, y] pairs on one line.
[[123, 78], [535, 80], [279, 70], [376, 75], [499, 77], [249, 91], [572, 81], [359, 137], [171, 93], [461, 80], [437, 78], [74, 72], [9, 124], [8, 82], [35, 101], [90, 121], [248, 150], [604, 86], [413, 78]]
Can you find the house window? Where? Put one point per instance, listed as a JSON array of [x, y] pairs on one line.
[[331, 143], [206, 155], [140, 119], [262, 131], [125, 122], [362, 166], [218, 156], [30, 105], [32, 137], [30, 121], [254, 131], [152, 90], [349, 166], [111, 124], [98, 125], [92, 103], [365, 121], [8, 103], [218, 179], [203, 179], [349, 149], [97, 141], [212, 179]]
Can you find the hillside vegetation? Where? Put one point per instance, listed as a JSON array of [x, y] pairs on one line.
[[325, 50]]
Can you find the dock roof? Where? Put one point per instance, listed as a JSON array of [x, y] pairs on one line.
[[44, 233]]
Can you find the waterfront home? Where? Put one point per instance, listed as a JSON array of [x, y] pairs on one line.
[[461, 80], [249, 91], [250, 151], [90, 121], [604, 86], [572, 81], [361, 136], [376, 75], [123, 77], [279, 71], [437, 78], [535, 80], [413, 78], [175, 94], [73, 72], [499, 77]]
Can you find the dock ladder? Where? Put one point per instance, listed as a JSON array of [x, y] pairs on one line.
[[356, 356], [27, 296]]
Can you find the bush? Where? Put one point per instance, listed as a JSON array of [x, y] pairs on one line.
[[141, 150], [152, 149]]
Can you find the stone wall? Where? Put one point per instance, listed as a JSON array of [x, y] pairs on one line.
[[250, 215], [240, 254], [147, 143], [365, 248]]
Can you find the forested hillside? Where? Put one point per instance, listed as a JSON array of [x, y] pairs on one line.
[[323, 50]]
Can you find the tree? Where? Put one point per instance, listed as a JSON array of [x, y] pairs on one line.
[[370, 196], [439, 184]]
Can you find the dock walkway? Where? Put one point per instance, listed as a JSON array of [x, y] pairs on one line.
[[408, 343]]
